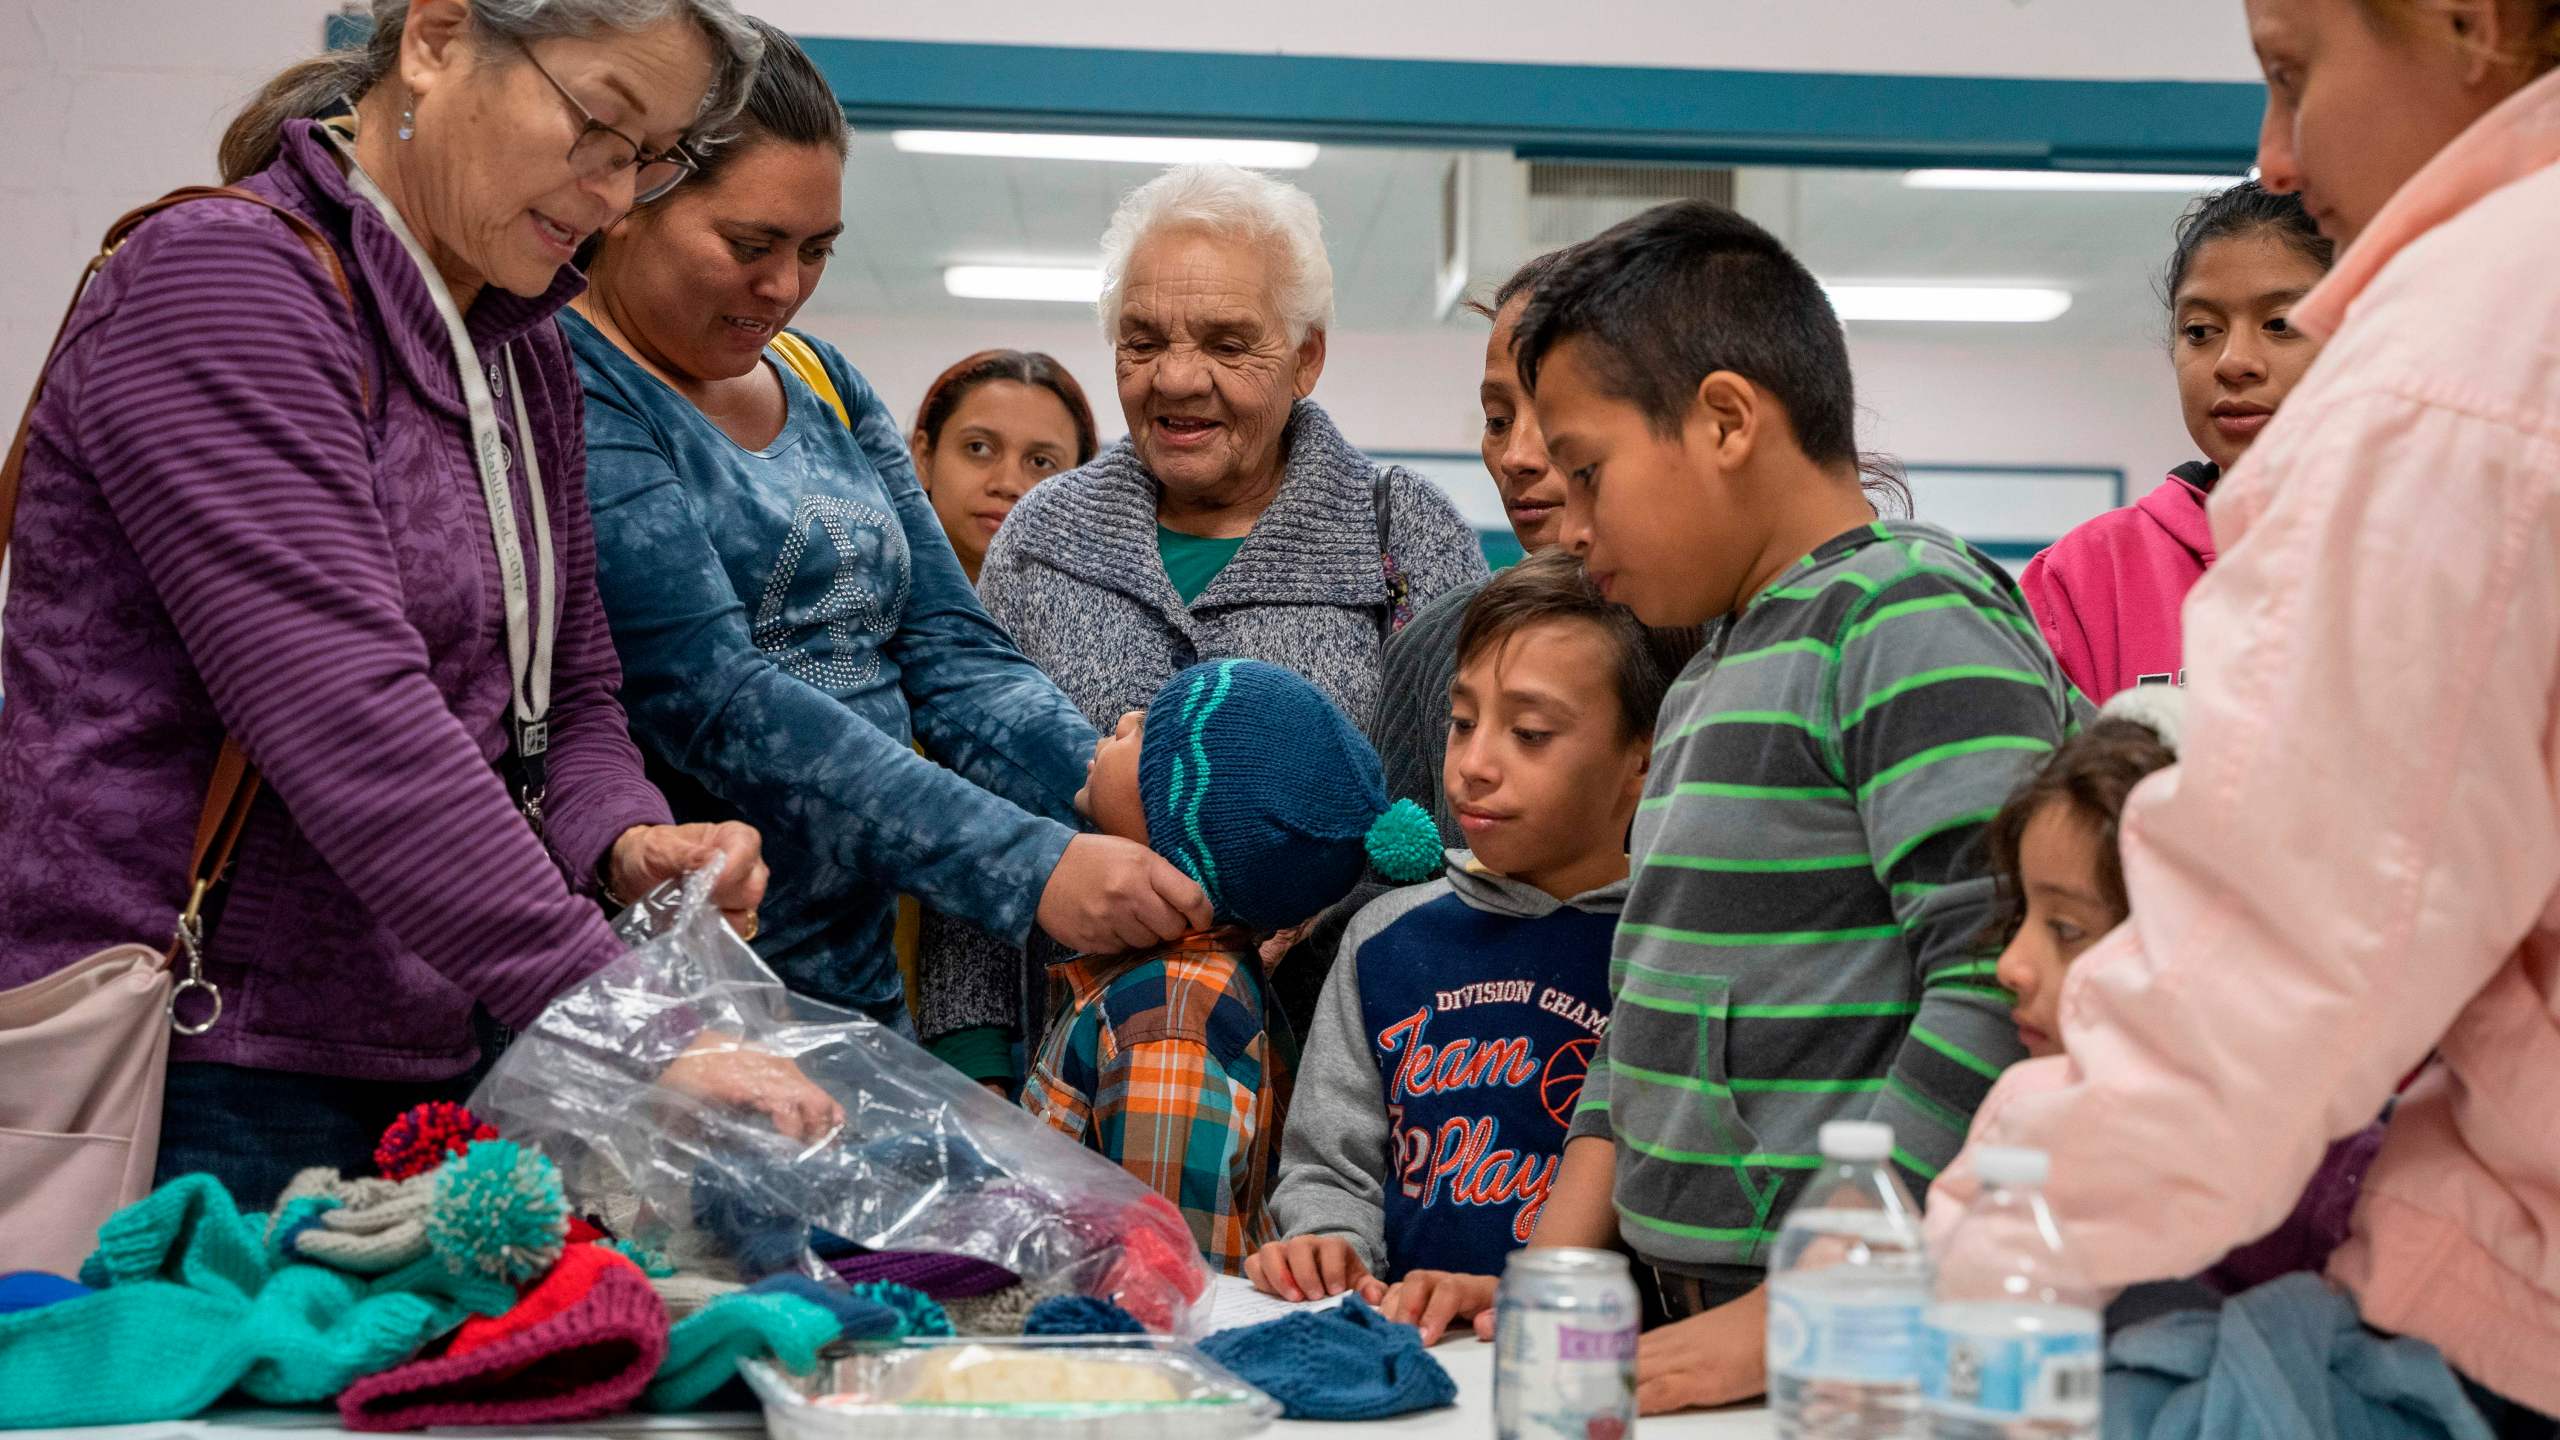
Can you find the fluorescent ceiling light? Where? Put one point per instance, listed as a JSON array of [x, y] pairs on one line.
[[1080, 285], [1125, 149], [2118, 180], [1966, 304]]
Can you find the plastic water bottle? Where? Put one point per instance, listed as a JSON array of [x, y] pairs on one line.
[[2011, 1346], [1847, 1286]]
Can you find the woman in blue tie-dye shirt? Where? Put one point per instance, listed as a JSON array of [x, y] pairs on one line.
[[788, 613]]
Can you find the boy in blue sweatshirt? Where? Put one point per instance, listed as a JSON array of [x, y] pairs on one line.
[[1455, 1029]]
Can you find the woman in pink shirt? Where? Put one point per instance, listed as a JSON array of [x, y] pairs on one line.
[[2357, 860], [2107, 594]]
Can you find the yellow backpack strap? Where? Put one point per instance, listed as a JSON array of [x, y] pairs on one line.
[[795, 352]]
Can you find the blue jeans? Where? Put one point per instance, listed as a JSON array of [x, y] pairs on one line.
[[254, 1129], [2507, 1419]]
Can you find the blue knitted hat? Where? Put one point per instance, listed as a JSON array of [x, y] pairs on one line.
[[1263, 792]]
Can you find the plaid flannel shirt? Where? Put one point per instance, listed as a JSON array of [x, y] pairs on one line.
[[1164, 1062]]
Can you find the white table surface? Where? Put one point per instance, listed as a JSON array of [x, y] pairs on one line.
[[1469, 1362]]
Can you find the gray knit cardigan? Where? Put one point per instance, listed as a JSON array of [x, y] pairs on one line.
[[1075, 575]]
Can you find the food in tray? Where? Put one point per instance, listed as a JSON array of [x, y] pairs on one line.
[[983, 1375]]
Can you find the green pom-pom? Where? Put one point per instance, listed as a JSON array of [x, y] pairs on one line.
[[652, 1263], [499, 1212], [919, 1316], [1405, 844]]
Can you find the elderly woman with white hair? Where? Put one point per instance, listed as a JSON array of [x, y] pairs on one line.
[[1234, 520]]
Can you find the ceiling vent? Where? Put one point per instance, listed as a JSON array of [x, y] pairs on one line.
[[1573, 200]]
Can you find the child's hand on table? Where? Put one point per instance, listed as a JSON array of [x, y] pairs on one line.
[[1309, 1267], [1712, 1359], [1433, 1300]]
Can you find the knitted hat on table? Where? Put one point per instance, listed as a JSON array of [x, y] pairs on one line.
[[191, 1305], [581, 1343], [1347, 1363], [368, 1226], [1261, 790]]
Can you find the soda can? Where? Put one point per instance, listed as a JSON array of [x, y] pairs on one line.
[[1564, 1339]]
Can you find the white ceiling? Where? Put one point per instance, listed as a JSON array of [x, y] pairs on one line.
[[908, 216]]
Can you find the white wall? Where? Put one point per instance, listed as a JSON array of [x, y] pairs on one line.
[[2073, 39], [105, 104], [1952, 398], [109, 102]]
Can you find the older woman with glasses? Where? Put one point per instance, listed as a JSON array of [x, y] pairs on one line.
[[306, 475]]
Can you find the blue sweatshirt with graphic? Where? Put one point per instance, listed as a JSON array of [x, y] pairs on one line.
[[1445, 1060], [789, 619]]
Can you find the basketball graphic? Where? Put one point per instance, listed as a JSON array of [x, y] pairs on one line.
[[1560, 1087]]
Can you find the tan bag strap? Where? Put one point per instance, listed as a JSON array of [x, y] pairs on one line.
[[234, 787]]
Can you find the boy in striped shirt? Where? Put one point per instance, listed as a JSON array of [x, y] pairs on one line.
[[1802, 941]]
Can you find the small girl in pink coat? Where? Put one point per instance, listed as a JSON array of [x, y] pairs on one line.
[[2108, 593]]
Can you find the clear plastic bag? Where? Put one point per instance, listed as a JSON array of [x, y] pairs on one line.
[[925, 1159]]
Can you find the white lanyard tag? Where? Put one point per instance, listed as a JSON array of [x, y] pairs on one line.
[[530, 632]]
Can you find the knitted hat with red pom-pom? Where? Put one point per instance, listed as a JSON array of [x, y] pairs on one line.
[[424, 1135], [581, 1343]]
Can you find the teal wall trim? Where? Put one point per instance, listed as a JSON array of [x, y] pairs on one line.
[[2012, 549], [1579, 110]]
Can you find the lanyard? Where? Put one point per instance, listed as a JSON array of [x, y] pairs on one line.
[[530, 633]]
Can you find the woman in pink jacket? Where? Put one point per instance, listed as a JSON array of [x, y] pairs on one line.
[[2357, 862], [2107, 594]]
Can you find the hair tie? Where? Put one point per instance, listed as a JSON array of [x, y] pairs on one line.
[[1404, 843]]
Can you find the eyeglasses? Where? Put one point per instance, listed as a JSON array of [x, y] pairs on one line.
[[600, 150]]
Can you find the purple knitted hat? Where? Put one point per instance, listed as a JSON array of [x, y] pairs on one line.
[[939, 1276], [583, 1342]]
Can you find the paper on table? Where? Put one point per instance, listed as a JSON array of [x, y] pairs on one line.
[[1234, 1304]]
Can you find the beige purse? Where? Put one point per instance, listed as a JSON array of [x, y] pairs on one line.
[[86, 1049]]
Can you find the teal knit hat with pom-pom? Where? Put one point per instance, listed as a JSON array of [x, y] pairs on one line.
[[1260, 788]]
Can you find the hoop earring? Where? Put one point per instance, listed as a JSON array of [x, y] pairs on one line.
[[408, 123]]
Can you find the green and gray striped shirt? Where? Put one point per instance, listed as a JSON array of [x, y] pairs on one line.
[[1803, 941]]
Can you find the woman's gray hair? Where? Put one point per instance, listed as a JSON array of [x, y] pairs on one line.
[[307, 89], [1227, 201]]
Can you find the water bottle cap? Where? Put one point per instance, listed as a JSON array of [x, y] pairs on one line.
[[2012, 1165], [1857, 1140]]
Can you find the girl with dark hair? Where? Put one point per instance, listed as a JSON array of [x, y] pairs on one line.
[[991, 427], [2060, 876], [2107, 594], [788, 613]]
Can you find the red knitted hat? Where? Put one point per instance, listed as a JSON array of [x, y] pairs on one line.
[[583, 1342]]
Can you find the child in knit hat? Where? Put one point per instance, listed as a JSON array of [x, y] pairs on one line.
[[1460, 1016], [1173, 1062]]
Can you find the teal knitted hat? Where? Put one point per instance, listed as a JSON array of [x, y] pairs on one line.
[[1261, 790]]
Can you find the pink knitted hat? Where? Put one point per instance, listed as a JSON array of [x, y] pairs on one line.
[[583, 1342]]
